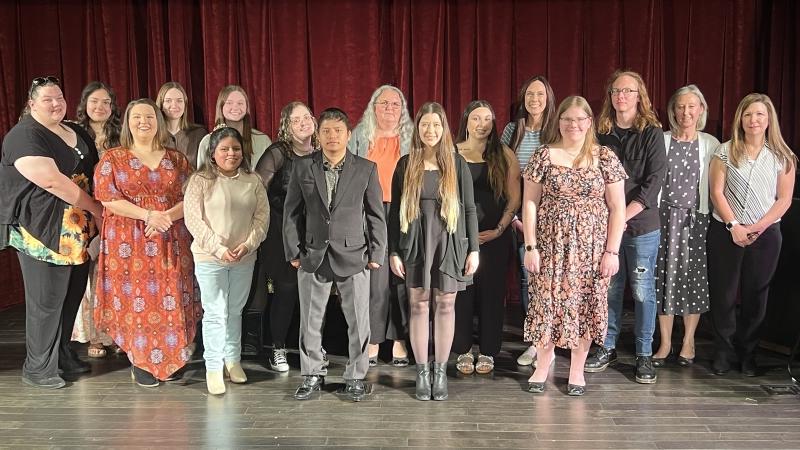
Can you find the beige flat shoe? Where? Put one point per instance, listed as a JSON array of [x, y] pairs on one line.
[[214, 382], [235, 372]]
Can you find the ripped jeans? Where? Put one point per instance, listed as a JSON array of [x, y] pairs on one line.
[[637, 263]]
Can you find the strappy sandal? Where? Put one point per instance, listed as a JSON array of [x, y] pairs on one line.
[[96, 351]]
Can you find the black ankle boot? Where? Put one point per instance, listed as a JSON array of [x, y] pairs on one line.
[[440, 381], [423, 382]]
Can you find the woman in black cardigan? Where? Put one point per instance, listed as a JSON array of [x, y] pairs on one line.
[[433, 239]]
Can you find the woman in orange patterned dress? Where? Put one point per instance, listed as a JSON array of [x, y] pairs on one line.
[[146, 295]]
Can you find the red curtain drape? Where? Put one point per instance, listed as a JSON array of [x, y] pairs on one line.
[[335, 52]]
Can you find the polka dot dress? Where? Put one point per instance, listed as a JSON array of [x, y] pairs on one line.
[[682, 276]]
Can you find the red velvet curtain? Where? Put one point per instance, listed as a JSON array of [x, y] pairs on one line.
[[335, 52]]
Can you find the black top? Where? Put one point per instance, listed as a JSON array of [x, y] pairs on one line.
[[489, 209], [645, 161], [26, 204], [465, 239]]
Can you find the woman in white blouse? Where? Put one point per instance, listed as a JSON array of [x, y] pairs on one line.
[[751, 181]]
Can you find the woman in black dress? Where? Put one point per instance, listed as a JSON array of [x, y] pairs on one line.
[[433, 239]]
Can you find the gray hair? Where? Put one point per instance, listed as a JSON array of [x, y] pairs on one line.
[[369, 121], [690, 89]]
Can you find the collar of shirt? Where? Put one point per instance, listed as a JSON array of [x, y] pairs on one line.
[[327, 164]]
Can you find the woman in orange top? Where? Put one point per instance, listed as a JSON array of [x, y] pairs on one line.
[[383, 136]]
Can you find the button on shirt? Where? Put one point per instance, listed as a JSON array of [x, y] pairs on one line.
[[332, 174]]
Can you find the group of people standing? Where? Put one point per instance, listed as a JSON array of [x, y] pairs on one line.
[[407, 222]]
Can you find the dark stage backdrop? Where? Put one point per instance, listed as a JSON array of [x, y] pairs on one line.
[[331, 52]]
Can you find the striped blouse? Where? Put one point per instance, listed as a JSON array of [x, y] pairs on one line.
[[752, 188], [530, 142]]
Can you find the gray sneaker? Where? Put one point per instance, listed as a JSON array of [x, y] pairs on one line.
[[278, 361]]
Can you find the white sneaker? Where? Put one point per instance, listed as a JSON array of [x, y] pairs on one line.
[[527, 357], [278, 361]]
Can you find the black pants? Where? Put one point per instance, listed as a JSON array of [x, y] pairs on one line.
[[53, 295], [486, 295], [745, 271], [283, 312]]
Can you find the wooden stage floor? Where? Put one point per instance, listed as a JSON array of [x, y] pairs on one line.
[[686, 409]]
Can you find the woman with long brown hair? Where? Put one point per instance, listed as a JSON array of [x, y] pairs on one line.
[[233, 110], [495, 178], [433, 240], [184, 136]]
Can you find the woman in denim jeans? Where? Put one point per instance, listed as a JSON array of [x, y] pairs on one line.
[[226, 211]]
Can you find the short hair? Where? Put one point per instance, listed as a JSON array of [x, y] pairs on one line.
[[162, 135], [689, 89], [334, 114]]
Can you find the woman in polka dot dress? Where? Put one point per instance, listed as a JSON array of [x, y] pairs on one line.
[[682, 279]]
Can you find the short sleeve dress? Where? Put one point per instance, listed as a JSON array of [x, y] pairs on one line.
[[147, 299], [568, 297]]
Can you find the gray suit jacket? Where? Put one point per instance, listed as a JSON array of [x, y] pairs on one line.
[[352, 232]]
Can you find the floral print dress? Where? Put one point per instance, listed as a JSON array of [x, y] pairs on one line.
[[147, 299], [568, 297]]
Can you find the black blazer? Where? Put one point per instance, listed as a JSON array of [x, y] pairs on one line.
[[409, 246], [352, 232]]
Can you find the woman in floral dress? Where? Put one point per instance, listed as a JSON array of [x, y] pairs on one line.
[[573, 213], [146, 296]]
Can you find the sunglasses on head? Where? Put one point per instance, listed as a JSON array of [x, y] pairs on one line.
[[39, 81]]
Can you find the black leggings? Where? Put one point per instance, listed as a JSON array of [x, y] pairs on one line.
[[283, 311]]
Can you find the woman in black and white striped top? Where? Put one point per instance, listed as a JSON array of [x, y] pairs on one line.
[[751, 180]]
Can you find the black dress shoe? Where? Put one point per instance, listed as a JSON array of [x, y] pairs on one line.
[[661, 362], [535, 387], [645, 372], [720, 366], [310, 384], [601, 359], [44, 383], [73, 365], [400, 361], [143, 378], [749, 368], [575, 390], [685, 362], [355, 389], [373, 361]]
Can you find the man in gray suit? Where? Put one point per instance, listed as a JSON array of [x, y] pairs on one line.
[[334, 231]]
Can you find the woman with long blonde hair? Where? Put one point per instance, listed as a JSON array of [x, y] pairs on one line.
[[433, 239], [751, 180]]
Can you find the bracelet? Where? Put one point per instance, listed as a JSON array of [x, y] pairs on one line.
[[147, 217], [611, 253]]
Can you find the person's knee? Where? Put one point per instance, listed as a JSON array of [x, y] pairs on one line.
[[419, 307]]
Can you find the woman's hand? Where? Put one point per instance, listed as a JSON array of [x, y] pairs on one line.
[[396, 264], [532, 261], [488, 235], [159, 221], [229, 256], [739, 234], [609, 265], [471, 264], [240, 251]]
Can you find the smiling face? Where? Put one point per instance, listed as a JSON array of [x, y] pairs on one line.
[[430, 129], [573, 124], [479, 123], [98, 106], [228, 155], [235, 107], [387, 109], [174, 104], [535, 98], [48, 106], [142, 122], [333, 136], [755, 120], [301, 123], [687, 110], [624, 95]]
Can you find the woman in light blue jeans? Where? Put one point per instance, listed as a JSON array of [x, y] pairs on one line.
[[226, 211]]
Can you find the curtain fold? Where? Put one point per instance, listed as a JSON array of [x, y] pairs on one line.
[[334, 53]]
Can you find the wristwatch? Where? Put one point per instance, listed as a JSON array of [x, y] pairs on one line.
[[530, 248], [729, 226]]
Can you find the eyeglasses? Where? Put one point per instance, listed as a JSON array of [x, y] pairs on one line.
[[387, 104], [299, 120], [571, 120], [39, 81], [624, 91]]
